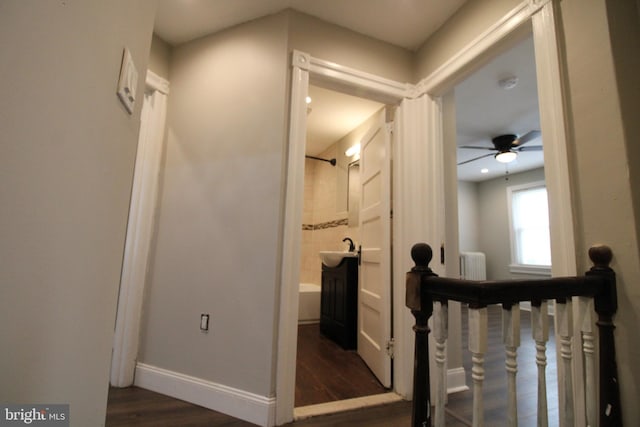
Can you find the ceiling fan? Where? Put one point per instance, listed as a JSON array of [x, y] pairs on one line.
[[507, 146]]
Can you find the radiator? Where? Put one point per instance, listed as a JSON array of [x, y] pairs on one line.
[[473, 266]]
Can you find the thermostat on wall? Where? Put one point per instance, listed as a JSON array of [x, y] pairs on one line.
[[128, 81]]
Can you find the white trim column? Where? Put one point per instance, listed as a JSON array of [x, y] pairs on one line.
[[292, 237], [139, 231], [552, 115], [418, 214]]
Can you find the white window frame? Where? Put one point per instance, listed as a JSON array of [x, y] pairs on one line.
[[515, 266]]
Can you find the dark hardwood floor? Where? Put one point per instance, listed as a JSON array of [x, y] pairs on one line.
[[495, 387], [326, 373], [133, 406], [137, 407]]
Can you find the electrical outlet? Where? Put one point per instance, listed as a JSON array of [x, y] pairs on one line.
[[204, 322]]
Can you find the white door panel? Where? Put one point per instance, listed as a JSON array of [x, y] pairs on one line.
[[374, 288]]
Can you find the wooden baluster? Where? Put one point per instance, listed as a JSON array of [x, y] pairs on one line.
[[540, 334], [565, 333], [478, 325], [511, 341], [588, 350], [440, 334]]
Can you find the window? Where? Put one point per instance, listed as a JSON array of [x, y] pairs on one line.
[[529, 221]]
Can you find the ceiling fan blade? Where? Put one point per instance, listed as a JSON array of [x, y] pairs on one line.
[[475, 158], [529, 136], [477, 148], [532, 148]]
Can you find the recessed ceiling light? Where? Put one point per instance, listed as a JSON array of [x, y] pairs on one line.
[[484, 170], [508, 82]]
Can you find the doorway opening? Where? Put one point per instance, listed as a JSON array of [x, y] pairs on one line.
[[329, 365], [496, 110], [496, 114]]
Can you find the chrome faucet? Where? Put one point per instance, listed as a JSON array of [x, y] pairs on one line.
[[352, 247]]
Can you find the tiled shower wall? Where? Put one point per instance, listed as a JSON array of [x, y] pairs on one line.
[[323, 227]]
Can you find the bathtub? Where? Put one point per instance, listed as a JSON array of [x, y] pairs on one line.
[[309, 303]]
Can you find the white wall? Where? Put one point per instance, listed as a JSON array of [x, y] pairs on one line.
[[67, 149], [218, 229]]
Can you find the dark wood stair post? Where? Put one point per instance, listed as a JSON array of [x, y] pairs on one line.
[[606, 305], [421, 306]]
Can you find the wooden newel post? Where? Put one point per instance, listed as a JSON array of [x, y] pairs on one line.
[[421, 306], [606, 305]]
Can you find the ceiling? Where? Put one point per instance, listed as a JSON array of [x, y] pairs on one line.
[[178, 21], [483, 109], [332, 115]]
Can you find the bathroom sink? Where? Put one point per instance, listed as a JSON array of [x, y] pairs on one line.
[[333, 258]]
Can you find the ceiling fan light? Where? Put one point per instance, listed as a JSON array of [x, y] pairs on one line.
[[506, 156]]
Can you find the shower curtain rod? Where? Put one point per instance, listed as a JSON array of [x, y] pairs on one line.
[[332, 161]]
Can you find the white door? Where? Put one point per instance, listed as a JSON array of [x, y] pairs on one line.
[[374, 287]]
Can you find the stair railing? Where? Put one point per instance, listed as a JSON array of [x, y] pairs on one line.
[[427, 295]]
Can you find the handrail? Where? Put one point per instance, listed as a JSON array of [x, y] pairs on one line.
[[424, 287]]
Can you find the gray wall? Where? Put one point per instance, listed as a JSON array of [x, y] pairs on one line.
[[67, 160], [603, 104], [493, 221], [483, 218], [336, 44], [468, 218], [588, 58], [220, 214], [160, 57], [67, 150], [462, 28], [218, 228]]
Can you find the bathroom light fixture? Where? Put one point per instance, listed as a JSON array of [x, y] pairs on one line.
[[506, 156], [307, 100], [351, 151], [484, 170]]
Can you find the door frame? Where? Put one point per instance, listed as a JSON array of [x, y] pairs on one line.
[[139, 231], [306, 69], [536, 17], [418, 173]]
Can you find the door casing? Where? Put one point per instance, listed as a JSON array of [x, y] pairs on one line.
[[418, 185]]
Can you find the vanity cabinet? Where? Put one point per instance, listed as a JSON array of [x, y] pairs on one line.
[[339, 303]]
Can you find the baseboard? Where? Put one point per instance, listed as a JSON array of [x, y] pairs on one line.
[[304, 412], [456, 380], [237, 403]]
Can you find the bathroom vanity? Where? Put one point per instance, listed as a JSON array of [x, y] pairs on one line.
[[339, 302]]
